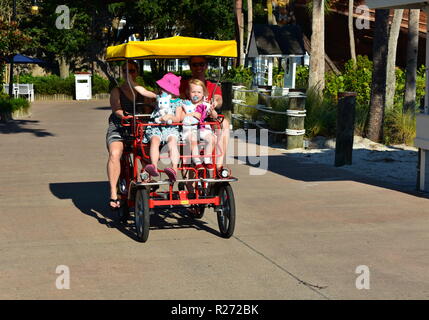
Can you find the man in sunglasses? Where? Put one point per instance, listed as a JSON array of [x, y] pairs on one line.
[[198, 67]]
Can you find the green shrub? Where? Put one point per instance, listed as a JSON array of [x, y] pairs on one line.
[[278, 79], [188, 74], [321, 114], [146, 80], [239, 75], [399, 127], [400, 86], [357, 79], [99, 84], [361, 119], [302, 74], [333, 85], [3, 95], [14, 105], [51, 84]]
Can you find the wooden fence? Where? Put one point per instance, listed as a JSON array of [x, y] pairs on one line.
[[65, 97]]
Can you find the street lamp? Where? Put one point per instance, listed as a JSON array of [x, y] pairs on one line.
[[11, 58], [34, 10], [34, 7]]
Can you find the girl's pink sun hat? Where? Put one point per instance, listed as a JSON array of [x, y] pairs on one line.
[[171, 83]]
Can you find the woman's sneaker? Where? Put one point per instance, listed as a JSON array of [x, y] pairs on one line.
[[171, 174], [153, 172]]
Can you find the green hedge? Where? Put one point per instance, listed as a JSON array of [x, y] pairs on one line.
[[53, 84], [13, 105]]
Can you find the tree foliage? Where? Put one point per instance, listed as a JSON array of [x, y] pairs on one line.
[[166, 18], [85, 42], [53, 41], [13, 40]]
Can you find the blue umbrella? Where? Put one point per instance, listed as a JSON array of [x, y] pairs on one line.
[[19, 58]]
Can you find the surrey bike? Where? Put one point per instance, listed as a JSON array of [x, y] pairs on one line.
[[141, 195]]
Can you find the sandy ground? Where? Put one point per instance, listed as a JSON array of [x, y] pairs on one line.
[[395, 164]]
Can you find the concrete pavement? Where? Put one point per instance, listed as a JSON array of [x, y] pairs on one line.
[[301, 232]]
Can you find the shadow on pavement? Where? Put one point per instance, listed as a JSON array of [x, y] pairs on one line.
[[91, 199], [103, 108], [297, 169], [18, 126]]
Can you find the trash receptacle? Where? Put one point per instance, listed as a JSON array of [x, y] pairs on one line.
[[83, 86]]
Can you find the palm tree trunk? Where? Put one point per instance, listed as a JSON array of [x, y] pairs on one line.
[[317, 59], [271, 19], [411, 70], [351, 32], [378, 87], [240, 27], [391, 57], [249, 20]]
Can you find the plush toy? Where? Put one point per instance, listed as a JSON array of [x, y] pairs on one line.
[[164, 107], [189, 120], [204, 109]]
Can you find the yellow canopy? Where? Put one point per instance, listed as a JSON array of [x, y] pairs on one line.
[[174, 47]]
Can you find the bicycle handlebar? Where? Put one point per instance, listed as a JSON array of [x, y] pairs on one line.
[[127, 120]]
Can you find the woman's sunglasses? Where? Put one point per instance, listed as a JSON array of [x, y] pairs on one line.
[[198, 64]]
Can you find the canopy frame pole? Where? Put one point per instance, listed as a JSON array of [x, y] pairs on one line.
[[426, 10], [134, 95], [12, 56]]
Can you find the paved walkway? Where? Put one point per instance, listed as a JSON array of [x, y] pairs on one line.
[[302, 229]]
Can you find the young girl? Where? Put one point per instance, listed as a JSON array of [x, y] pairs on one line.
[[195, 112], [168, 111]]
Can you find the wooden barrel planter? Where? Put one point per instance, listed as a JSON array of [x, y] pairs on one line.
[[277, 122], [250, 113], [238, 94], [295, 130], [247, 97]]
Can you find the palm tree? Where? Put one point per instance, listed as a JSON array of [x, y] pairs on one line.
[[317, 61], [271, 18], [240, 26], [378, 86], [391, 57], [249, 20], [412, 49], [351, 32]]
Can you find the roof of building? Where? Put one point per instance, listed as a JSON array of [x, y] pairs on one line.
[[275, 40], [396, 4]]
